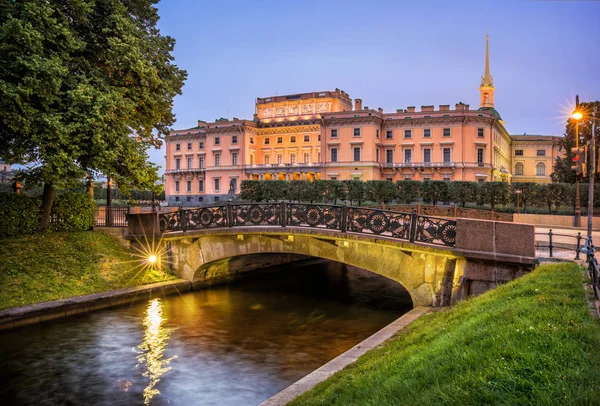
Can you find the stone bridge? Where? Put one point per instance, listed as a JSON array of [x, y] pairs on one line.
[[437, 260]]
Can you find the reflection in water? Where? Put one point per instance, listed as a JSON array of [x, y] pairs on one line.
[[235, 345], [156, 338]]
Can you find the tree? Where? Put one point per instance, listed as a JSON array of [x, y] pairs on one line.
[[462, 192], [494, 193], [86, 86], [562, 166], [381, 191], [434, 191], [334, 190], [355, 190], [529, 192], [409, 190]]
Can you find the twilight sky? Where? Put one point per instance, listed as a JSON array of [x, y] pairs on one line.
[[392, 54]]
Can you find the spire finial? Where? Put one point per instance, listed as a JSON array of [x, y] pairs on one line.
[[487, 79]]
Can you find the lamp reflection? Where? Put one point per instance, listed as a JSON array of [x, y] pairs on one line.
[[156, 338]]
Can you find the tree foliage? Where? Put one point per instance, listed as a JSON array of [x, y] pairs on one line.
[[85, 86]]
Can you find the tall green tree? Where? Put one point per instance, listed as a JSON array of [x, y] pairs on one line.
[[86, 86], [562, 166]]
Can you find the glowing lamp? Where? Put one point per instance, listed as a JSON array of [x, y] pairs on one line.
[[577, 115], [152, 259]]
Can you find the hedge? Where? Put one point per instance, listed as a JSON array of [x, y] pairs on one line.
[[19, 214], [72, 212]]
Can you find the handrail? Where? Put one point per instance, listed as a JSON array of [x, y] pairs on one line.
[[554, 245], [410, 227]]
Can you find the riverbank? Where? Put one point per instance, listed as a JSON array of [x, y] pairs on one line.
[[47, 267], [532, 341]]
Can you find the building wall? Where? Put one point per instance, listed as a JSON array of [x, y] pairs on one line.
[[533, 158]]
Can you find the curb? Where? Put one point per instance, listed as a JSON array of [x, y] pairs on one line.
[[36, 313]]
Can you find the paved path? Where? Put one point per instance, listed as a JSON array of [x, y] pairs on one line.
[[564, 241]]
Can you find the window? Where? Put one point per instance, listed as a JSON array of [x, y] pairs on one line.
[[376, 133], [306, 157], [389, 135], [177, 163], [356, 151], [234, 184], [333, 177], [177, 147], [427, 133], [480, 132], [407, 155], [279, 159], [201, 145], [267, 141], [519, 169], [541, 152], [216, 198], [200, 186], [188, 199], [267, 159], [357, 132], [176, 198], [306, 138], [407, 133], [201, 199], [333, 133], [189, 186], [427, 155], [540, 169], [189, 145], [446, 179], [446, 132], [234, 139], [389, 156], [480, 180], [480, 156], [319, 137], [251, 140], [293, 159], [518, 152], [447, 153], [334, 154], [217, 184], [292, 139], [217, 159], [280, 140], [217, 140], [234, 158], [189, 163], [377, 155], [176, 186], [201, 162]]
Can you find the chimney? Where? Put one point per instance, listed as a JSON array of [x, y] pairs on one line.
[[460, 106], [201, 123], [444, 107], [427, 108], [380, 110], [411, 109], [357, 104], [466, 107]]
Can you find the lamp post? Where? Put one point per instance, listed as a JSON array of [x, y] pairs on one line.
[[577, 116], [518, 193]]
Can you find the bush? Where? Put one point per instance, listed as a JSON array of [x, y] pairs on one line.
[[19, 214], [72, 212]]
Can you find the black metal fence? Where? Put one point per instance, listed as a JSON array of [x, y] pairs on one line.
[[111, 216], [593, 269], [559, 245], [411, 227]]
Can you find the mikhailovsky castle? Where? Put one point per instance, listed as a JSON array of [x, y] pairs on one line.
[[327, 135]]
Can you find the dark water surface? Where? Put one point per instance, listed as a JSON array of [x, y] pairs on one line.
[[231, 345]]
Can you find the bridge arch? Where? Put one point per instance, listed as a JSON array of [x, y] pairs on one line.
[[428, 274]]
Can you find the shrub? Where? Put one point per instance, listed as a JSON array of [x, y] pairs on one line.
[[19, 214], [72, 212]]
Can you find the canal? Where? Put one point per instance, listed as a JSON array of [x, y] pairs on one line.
[[229, 345]]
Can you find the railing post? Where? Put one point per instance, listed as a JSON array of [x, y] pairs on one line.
[[413, 227], [229, 215], [343, 222], [108, 215], [283, 216], [550, 242], [578, 249], [182, 218]]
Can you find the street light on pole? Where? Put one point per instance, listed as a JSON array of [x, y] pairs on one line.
[[518, 193], [577, 116]]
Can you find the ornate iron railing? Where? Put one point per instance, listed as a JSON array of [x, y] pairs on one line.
[[410, 227]]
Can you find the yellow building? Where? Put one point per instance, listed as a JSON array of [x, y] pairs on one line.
[[533, 157]]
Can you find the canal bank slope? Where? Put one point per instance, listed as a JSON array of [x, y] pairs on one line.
[[52, 266], [532, 341]]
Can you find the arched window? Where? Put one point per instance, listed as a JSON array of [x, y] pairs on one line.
[[486, 98], [519, 168], [540, 169]]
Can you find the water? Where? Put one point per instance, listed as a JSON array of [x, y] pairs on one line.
[[231, 345]]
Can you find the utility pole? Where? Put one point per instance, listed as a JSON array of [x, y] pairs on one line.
[[577, 220], [591, 170]]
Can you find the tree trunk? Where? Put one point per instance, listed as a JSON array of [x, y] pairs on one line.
[[46, 208]]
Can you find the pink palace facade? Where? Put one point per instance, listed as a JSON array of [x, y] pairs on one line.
[[327, 135]]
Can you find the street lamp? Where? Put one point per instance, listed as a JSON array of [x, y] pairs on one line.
[[577, 116], [518, 193]]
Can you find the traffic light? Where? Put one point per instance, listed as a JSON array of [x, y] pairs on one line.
[[578, 157]]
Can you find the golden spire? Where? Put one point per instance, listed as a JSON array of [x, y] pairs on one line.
[[486, 79]]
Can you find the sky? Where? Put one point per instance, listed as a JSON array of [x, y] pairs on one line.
[[391, 54]]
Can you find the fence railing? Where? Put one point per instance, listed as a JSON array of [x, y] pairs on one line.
[[559, 245], [411, 227], [111, 216], [593, 268]]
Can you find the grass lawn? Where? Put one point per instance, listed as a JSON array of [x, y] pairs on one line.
[[43, 267], [530, 342]]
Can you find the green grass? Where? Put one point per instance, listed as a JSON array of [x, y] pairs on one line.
[[530, 342], [43, 267]]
